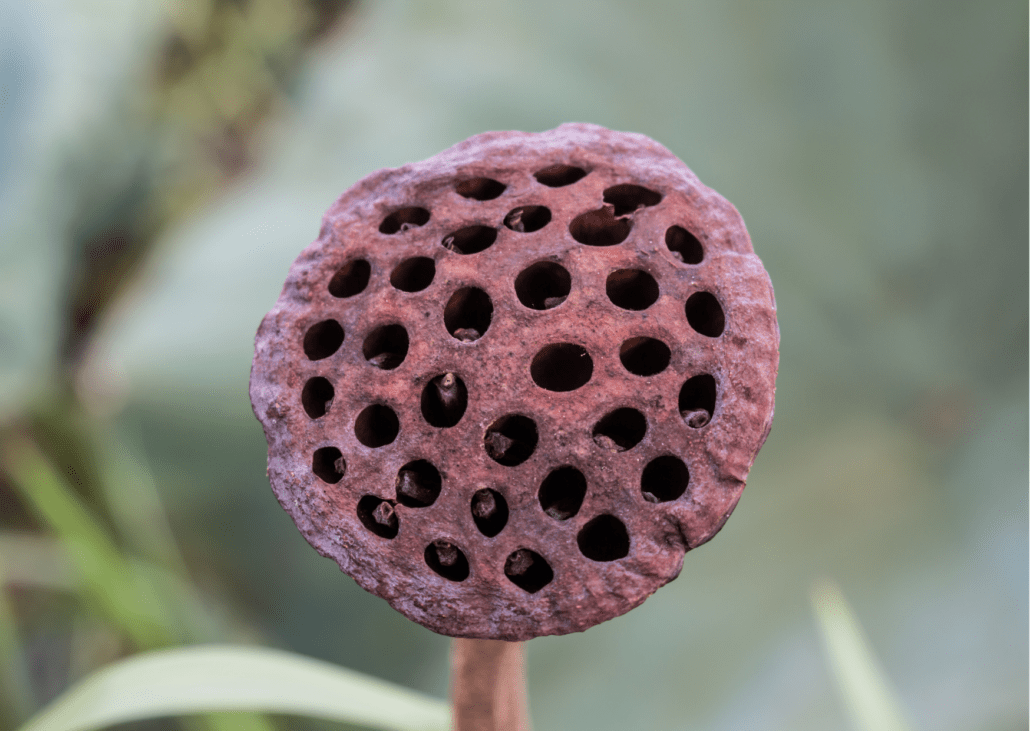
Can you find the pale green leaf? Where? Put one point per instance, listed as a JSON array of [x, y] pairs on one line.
[[226, 678], [863, 684]]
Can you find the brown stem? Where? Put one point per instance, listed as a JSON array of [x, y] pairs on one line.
[[488, 686]]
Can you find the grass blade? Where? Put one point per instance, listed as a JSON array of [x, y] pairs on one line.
[[862, 683], [233, 678]]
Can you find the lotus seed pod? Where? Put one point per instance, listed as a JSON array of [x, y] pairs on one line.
[[510, 386]]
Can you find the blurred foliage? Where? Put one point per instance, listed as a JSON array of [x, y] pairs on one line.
[[161, 164]]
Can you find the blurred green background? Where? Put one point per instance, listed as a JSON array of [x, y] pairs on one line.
[[162, 163]]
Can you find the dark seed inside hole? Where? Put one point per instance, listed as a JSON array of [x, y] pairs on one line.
[[480, 189], [603, 539], [418, 484], [470, 240], [620, 430], [562, 491], [317, 397], [543, 285], [704, 313], [511, 439], [561, 367], [664, 479], [386, 346], [489, 511], [684, 245], [323, 339], [527, 219], [328, 465], [644, 356], [528, 570], [444, 400], [556, 176], [350, 279], [627, 198], [600, 228], [404, 219], [697, 400], [376, 426], [448, 560], [468, 313], [631, 289], [378, 516], [414, 274]]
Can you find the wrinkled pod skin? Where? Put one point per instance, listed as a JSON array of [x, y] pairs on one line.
[[510, 386]]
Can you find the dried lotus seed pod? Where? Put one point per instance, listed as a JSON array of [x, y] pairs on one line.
[[510, 386]]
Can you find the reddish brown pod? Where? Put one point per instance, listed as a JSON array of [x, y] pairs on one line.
[[510, 386]]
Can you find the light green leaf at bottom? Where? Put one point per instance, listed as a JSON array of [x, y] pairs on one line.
[[206, 678]]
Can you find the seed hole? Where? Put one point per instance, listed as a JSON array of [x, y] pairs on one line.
[[704, 313], [448, 560], [631, 289], [418, 484], [386, 346], [684, 245], [644, 356], [378, 516], [561, 367], [556, 176], [620, 430], [664, 479], [404, 219], [444, 400], [627, 198], [350, 279], [697, 400], [376, 426], [562, 491], [511, 439], [600, 228], [470, 240], [414, 274], [317, 397], [528, 570], [543, 285], [480, 189], [468, 313], [323, 339], [603, 539], [489, 511], [527, 219], [328, 465]]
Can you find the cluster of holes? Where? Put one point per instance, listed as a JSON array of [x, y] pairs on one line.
[[512, 439]]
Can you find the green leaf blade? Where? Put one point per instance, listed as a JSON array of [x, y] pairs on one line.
[[208, 678]]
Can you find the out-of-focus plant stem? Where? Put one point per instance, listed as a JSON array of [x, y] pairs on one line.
[[488, 686]]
